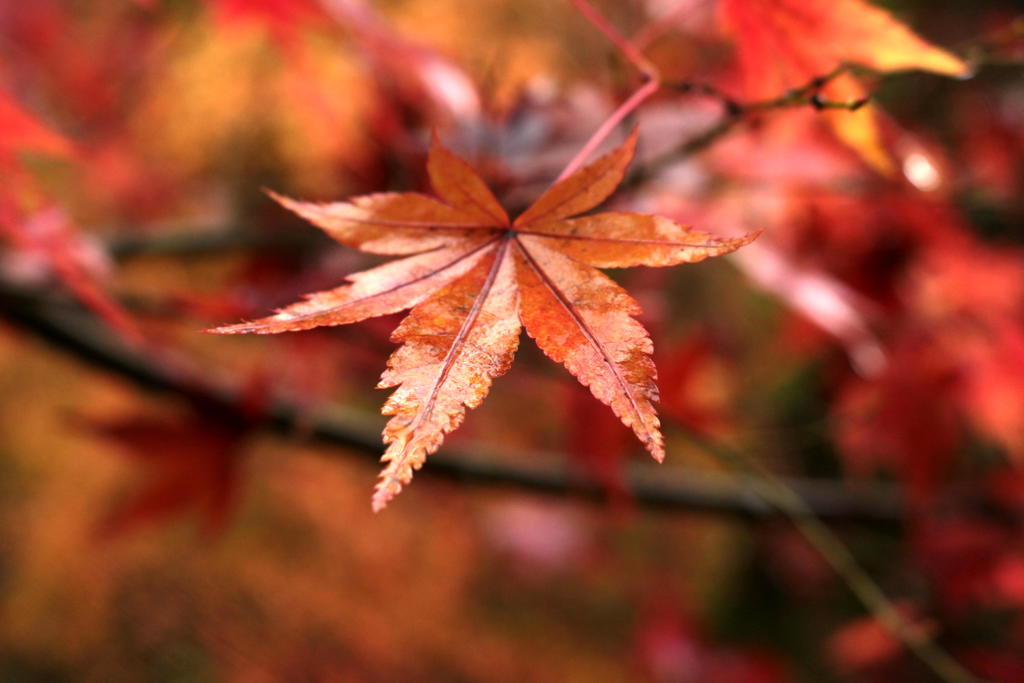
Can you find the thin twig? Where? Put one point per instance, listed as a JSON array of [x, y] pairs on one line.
[[735, 112], [789, 502]]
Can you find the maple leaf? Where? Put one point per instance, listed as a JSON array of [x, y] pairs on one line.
[[23, 131], [46, 243], [45, 239], [475, 277], [783, 44], [191, 462], [189, 466]]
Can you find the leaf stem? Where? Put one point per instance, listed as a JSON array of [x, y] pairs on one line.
[[651, 85]]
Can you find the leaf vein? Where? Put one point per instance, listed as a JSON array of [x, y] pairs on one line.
[[577, 318]]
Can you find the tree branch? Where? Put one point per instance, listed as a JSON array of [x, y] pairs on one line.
[[66, 326]]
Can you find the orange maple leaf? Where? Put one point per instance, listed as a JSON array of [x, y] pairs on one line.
[[477, 277], [783, 44]]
